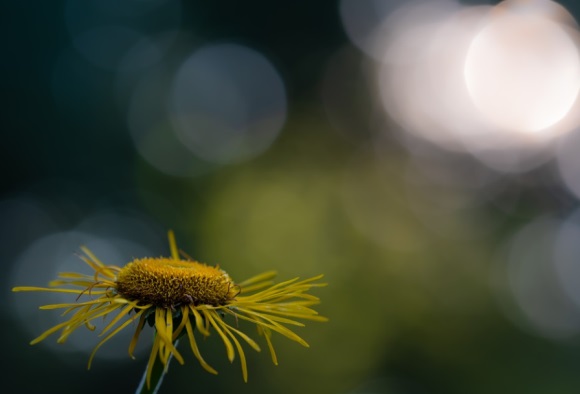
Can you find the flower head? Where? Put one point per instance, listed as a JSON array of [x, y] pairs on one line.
[[177, 296]]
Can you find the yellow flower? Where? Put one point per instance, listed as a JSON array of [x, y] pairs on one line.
[[177, 296]]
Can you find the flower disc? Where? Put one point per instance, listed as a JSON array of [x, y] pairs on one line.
[[168, 282]]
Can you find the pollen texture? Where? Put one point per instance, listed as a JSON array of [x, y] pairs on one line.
[[168, 282]]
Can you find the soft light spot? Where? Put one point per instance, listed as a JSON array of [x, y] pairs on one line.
[[522, 72], [228, 103]]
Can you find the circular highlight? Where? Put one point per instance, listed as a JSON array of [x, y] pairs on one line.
[[228, 103], [521, 72]]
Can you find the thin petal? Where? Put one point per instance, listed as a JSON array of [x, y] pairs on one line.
[[164, 331], [84, 316], [229, 347], [47, 289], [266, 276], [246, 338], [136, 335], [75, 305], [111, 335], [181, 326], [268, 335], [243, 362], [173, 245], [172, 348], [152, 357], [119, 316], [97, 264], [48, 332], [74, 275], [195, 349], [199, 321], [275, 318], [265, 321]]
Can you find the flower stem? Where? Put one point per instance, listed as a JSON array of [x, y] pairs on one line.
[[157, 375]]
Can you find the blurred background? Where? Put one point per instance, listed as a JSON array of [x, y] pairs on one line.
[[423, 155]]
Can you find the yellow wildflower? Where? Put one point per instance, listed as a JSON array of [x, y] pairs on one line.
[[177, 296]]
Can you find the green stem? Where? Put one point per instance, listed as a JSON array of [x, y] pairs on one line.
[[157, 374]]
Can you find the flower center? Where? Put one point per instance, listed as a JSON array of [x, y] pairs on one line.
[[167, 282]]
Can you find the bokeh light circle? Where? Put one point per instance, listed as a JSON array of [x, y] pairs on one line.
[[106, 46], [228, 103], [522, 72], [544, 306], [152, 131], [40, 263], [568, 158], [112, 34], [364, 23], [498, 82], [566, 254]]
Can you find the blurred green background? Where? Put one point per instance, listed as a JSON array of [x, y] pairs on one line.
[[252, 129]]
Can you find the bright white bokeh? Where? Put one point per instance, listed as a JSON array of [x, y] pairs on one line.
[[522, 71], [421, 82], [498, 82]]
